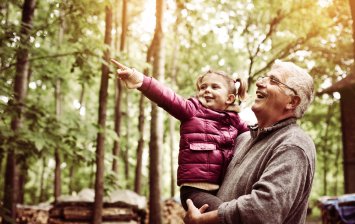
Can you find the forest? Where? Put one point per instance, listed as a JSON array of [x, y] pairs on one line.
[[68, 124]]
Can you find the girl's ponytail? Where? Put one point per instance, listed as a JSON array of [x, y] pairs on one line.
[[241, 87]]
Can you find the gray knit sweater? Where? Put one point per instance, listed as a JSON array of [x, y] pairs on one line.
[[269, 179]]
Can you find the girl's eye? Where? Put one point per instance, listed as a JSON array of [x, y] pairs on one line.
[[215, 87], [203, 87]]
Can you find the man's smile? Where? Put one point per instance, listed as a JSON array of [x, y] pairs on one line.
[[260, 94]]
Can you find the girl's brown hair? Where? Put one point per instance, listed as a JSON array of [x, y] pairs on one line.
[[232, 84]]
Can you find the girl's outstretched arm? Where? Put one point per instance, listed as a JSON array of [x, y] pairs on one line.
[[165, 97]]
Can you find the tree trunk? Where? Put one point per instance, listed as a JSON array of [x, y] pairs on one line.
[[2, 153], [71, 177], [4, 12], [326, 149], [127, 137], [10, 186], [155, 206], [141, 124], [118, 92], [22, 181], [57, 175], [58, 112], [116, 144], [172, 121], [82, 94], [352, 8], [41, 182], [100, 148], [20, 91], [122, 45], [337, 169], [156, 138], [124, 26], [172, 161]]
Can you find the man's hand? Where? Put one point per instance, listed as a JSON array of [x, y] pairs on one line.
[[132, 78], [193, 214]]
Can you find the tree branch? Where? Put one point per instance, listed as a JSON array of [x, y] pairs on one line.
[[40, 58]]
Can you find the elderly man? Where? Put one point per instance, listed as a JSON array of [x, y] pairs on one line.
[[270, 177]]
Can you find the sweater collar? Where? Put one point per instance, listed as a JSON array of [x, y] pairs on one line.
[[256, 131]]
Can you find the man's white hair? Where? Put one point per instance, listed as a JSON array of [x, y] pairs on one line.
[[300, 80]]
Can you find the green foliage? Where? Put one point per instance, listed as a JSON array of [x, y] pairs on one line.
[[242, 37], [4, 216]]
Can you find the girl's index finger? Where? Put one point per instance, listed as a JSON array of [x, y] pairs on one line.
[[119, 65]]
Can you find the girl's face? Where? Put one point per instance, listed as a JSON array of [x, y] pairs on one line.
[[213, 92]]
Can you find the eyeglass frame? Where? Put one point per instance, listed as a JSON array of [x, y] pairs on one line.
[[277, 81]]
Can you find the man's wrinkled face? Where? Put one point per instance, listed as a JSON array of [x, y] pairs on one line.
[[271, 95]]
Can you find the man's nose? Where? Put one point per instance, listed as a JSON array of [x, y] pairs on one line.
[[260, 83]]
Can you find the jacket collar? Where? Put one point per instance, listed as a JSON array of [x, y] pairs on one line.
[[255, 131], [233, 107]]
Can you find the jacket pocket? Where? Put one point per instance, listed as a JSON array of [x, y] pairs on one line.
[[202, 146]]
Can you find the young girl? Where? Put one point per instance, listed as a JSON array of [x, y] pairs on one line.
[[209, 126]]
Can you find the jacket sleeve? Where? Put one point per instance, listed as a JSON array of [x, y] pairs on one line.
[[281, 186], [167, 99], [242, 126], [239, 124]]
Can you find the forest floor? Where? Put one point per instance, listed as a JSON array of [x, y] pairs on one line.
[[173, 213]]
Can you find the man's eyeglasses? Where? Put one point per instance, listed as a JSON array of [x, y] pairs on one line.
[[274, 81]]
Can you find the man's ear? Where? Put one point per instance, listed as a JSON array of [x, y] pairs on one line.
[[294, 102], [231, 99]]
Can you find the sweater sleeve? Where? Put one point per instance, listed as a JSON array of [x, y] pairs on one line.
[[280, 187], [167, 99]]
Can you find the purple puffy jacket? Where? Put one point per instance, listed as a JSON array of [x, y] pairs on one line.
[[207, 137]]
